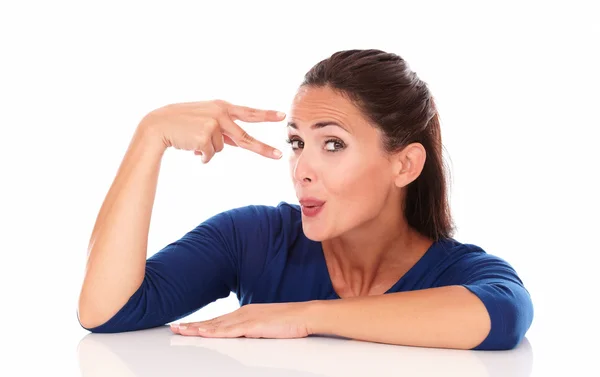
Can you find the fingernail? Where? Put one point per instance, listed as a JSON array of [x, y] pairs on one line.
[[280, 114], [182, 327], [201, 329], [277, 153]]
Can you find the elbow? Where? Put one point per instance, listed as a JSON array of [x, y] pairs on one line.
[[136, 312], [99, 312], [507, 340], [85, 322], [510, 342], [89, 319], [85, 316], [95, 324], [518, 317], [511, 315]]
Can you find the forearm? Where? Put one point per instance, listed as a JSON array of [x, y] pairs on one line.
[[444, 317], [118, 243]]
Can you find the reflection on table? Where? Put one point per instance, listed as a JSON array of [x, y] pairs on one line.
[[159, 352]]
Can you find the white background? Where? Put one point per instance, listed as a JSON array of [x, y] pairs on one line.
[[516, 84]]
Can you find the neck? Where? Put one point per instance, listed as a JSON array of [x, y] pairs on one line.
[[366, 248], [375, 255]]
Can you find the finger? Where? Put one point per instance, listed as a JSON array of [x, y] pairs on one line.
[[221, 331], [244, 140], [214, 327], [183, 329], [225, 319], [217, 141], [187, 330], [229, 141], [249, 114], [201, 154], [174, 327], [207, 152]]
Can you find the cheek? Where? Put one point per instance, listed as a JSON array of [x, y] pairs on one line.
[[292, 164], [356, 181]]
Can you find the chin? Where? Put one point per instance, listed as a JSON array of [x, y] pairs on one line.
[[313, 232]]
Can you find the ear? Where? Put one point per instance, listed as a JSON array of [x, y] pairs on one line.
[[409, 164]]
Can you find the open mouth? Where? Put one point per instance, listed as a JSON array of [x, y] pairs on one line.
[[312, 210]]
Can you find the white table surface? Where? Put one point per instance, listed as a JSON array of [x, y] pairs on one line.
[[158, 352], [49, 341]]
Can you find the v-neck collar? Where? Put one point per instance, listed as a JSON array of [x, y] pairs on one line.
[[408, 279]]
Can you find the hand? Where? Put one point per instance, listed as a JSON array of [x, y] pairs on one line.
[[280, 320], [204, 127]]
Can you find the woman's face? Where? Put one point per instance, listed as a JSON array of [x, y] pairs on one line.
[[344, 166]]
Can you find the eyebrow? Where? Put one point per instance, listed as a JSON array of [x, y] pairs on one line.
[[319, 125]]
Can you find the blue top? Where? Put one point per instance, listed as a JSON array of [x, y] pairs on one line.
[[261, 253]]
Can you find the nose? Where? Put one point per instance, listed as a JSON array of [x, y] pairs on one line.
[[303, 171]]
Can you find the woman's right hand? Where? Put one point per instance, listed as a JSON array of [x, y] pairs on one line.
[[204, 127]]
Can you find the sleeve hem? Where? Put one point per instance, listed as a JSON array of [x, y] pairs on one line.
[[498, 338]]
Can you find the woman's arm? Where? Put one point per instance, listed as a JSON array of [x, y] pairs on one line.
[[444, 317], [118, 244], [122, 291], [479, 302]]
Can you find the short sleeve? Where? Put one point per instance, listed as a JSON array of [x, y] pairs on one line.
[[497, 285]]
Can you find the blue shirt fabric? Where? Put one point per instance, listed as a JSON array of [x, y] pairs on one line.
[[261, 253]]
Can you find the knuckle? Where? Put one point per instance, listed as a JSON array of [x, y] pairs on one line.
[[246, 138], [211, 124], [201, 140], [253, 113], [221, 107], [214, 324], [221, 103]]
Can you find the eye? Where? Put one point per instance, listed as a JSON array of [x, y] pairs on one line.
[[331, 145], [296, 143], [336, 145]]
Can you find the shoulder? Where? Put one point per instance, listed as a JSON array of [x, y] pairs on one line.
[[283, 209], [283, 216], [260, 228], [454, 249], [466, 262], [255, 227]]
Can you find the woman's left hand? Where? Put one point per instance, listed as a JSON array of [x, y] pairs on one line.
[[280, 320]]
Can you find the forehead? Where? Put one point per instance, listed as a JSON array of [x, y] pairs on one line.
[[320, 103]]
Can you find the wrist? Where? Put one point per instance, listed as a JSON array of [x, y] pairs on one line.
[[317, 317], [148, 135]]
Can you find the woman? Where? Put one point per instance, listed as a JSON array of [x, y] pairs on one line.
[[368, 254]]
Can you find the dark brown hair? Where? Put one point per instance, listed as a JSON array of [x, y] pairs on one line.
[[391, 96]]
